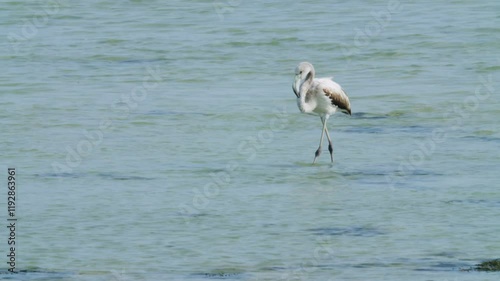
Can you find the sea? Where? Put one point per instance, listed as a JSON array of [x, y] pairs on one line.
[[161, 140]]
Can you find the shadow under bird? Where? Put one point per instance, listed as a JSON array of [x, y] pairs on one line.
[[319, 96]]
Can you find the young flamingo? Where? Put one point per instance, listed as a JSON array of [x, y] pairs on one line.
[[319, 96]]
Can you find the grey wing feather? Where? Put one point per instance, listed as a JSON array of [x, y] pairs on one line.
[[339, 100]]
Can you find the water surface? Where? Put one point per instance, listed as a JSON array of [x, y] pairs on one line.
[[161, 141]]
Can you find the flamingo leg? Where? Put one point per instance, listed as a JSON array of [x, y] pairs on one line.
[[318, 152], [330, 144]]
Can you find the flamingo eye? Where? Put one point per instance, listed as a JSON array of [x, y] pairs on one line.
[[300, 72]]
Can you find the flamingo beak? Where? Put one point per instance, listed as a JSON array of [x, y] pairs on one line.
[[296, 86]]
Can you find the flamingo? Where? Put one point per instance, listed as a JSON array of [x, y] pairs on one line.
[[319, 96]]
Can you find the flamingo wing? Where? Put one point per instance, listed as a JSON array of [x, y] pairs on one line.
[[338, 98]]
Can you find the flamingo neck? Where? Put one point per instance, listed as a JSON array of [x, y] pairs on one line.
[[306, 106]]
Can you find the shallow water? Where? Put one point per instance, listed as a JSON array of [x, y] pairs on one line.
[[158, 141]]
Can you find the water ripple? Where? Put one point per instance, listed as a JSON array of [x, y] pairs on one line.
[[347, 231]]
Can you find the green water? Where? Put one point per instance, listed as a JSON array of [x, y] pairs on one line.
[[162, 141]]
